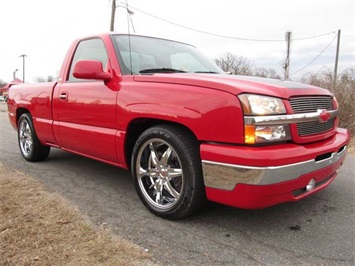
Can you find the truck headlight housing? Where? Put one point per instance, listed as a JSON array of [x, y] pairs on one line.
[[259, 105]]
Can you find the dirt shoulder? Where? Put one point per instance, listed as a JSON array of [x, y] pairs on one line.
[[3, 107], [39, 228]]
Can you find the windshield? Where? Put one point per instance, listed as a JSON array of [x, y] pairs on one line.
[[149, 55]]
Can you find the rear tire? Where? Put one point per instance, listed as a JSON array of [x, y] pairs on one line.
[[31, 149], [167, 171]]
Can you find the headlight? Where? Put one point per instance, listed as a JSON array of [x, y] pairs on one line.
[[261, 105], [257, 105]]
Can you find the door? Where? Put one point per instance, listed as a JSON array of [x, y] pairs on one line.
[[85, 110]]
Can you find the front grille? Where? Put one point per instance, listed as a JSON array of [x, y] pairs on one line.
[[314, 127], [311, 104]]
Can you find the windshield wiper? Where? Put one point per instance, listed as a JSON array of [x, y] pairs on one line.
[[160, 70], [207, 72]]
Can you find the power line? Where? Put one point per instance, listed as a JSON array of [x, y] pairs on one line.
[[316, 56], [313, 37], [226, 36]]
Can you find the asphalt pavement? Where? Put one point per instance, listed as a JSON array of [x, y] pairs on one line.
[[318, 230]]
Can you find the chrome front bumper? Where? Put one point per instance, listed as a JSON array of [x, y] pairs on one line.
[[227, 176]]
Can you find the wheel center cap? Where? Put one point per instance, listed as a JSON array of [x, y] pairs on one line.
[[164, 173]]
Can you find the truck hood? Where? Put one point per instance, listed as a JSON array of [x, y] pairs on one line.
[[236, 84]]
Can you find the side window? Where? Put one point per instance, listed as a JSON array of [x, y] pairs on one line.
[[93, 49]]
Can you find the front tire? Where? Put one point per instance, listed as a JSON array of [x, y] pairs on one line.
[[167, 171], [31, 149]]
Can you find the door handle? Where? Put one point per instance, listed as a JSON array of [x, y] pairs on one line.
[[63, 96]]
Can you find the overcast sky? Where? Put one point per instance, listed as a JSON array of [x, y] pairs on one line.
[[44, 29]]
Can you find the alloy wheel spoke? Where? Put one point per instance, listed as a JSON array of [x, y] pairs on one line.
[[159, 191], [174, 172], [153, 154], [153, 172], [166, 156], [171, 190], [141, 172]]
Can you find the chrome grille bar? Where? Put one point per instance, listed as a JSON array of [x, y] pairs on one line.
[[314, 127], [311, 104]]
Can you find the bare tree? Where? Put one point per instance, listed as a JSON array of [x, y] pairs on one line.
[[234, 64], [344, 92], [40, 79], [323, 78], [266, 73], [348, 75]]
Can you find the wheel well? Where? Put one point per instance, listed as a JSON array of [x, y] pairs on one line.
[[137, 127], [19, 112]]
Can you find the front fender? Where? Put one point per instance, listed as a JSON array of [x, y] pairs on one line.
[[211, 115]]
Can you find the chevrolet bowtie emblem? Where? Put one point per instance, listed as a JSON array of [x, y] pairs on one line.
[[324, 115]]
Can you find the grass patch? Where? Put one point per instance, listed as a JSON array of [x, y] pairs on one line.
[[39, 228]]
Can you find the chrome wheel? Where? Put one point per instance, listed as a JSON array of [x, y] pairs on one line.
[[167, 171], [31, 148], [159, 174], [25, 138]]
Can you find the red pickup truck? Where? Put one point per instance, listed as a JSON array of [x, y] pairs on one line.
[[187, 131]]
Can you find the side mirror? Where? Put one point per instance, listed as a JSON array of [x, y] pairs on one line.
[[90, 69]]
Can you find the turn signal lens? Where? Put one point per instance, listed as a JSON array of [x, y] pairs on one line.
[[264, 134], [249, 134]]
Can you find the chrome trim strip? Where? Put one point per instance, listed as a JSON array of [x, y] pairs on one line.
[[227, 176], [288, 119]]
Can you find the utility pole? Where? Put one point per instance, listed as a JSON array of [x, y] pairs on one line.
[[113, 12], [336, 61], [288, 52], [23, 67]]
